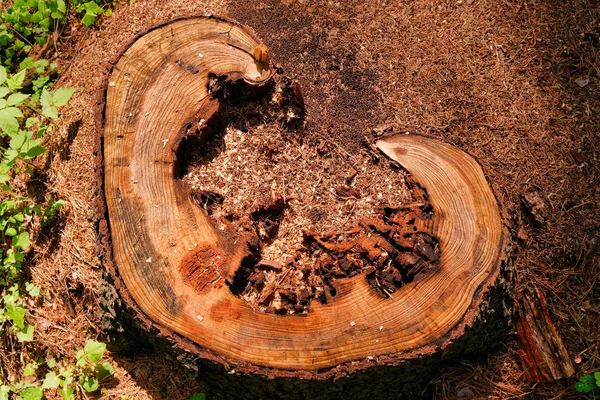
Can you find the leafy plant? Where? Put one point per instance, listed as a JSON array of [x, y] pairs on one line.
[[29, 22], [29, 108], [198, 396], [14, 310], [88, 372], [589, 384], [92, 10], [24, 119]]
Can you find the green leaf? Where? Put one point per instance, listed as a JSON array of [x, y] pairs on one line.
[[9, 53], [42, 129], [108, 12], [67, 374], [40, 81], [53, 207], [31, 393], [21, 241], [198, 396], [61, 6], [50, 112], [89, 383], [584, 387], [17, 140], [585, 384], [26, 334], [2, 74], [31, 121], [4, 392], [68, 393], [51, 381], [3, 104], [62, 96], [41, 40], [33, 290], [93, 8], [19, 44], [16, 81], [29, 369], [16, 99], [26, 63], [88, 19], [4, 168], [16, 313], [80, 358], [104, 370], [10, 232], [586, 379], [46, 98], [8, 119], [51, 363], [40, 65], [32, 149], [93, 351], [10, 156], [4, 91], [45, 23]]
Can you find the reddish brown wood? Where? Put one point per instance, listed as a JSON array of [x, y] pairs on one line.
[[542, 352]]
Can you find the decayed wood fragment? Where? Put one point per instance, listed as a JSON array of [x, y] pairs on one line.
[[542, 353]]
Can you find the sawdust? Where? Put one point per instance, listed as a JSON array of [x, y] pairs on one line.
[[257, 163]]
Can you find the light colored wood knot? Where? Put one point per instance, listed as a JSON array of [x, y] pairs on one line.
[[261, 53]]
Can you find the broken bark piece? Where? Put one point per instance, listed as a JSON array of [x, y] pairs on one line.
[[258, 279], [542, 353], [267, 294], [381, 130], [269, 264], [536, 207], [578, 156], [347, 191], [378, 225], [426, 250], [407, 259], [350, 175], [280, 356]]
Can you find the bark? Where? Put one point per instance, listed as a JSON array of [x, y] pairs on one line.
[[541, 350]]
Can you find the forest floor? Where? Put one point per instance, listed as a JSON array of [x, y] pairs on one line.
[[513, 83]]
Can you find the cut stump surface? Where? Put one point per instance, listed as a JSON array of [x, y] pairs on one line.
[[159, 92]]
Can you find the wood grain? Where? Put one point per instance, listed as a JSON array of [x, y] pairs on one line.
[[542, 353], [158, 91]]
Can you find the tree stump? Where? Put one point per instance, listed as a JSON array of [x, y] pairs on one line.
[[168, 84]]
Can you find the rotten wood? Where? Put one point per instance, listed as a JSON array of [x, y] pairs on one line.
[[541, 350]]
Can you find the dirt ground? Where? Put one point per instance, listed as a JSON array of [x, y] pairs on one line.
[[513, 83]]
